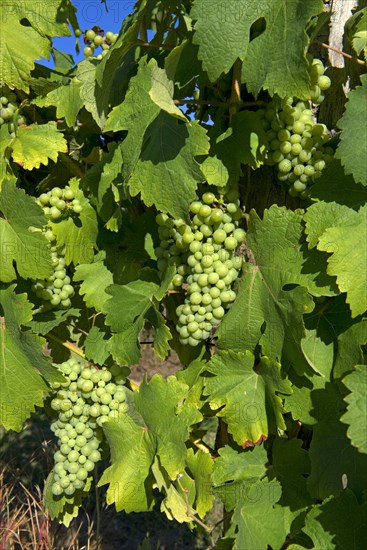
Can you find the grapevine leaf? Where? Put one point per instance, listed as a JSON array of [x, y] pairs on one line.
[[50, 22], [20, 45], [162, 333], [159, 151], [66, 99], [27, 249], [338, 523], [291, 465], [78, 234], [245, 466], [96, 278], [131, 458], [251, 405], [100, 179], [347, 244], [260, 523], [134, 300], [182, 64], [93, 97], [332, 458], [177, 503], [222, 32], [352, 149], [356, 415], [265, 312], [44, 322], [24, 370], [321, 216], [201, 466], [334, 186], [167, 421], [349, 352], [243, 143], [96, 346], [108, 67], [35, 144]]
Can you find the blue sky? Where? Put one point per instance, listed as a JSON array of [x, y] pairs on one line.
[[90, 13]]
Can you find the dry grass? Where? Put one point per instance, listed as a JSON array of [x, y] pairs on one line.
[[24, 525]]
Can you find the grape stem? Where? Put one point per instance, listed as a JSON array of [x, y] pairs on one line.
[[355, 59]]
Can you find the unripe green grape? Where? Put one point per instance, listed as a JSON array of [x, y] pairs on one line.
[[68, 194], [90, 34], [230, 243], [77, 208], [88, 51], [98, 40], [78, 32]]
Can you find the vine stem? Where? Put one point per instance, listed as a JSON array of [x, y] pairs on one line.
[[235, 99], [355, 59]]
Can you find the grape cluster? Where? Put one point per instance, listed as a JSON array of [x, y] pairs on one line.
[[94, 38], [9, 111], [59, 202], [203, 252], [84, 402], [319, 81], [57, 289], [297, 143]]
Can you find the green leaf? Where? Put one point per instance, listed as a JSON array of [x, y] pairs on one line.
[[352, 149], [260, 524], [35, 144], [321, 216], [334, 186], [96, 278], [182, 64], [159, 151], [96, 346], [167, 419], [247, 398], [131, 458], [27, 249], [100, 180], [50, 22], [78, 234], [348, 245], [291, 466], [134, 300], [66, 99], [332, 459], [20, 45], [248, 466], [244, 142], [94, 99], [43, 323], [222, 32], [338, 523], [162, 334], [349, 352], [201, 466], [356, 415], [265, 312], [24, 370], [180, 496]]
